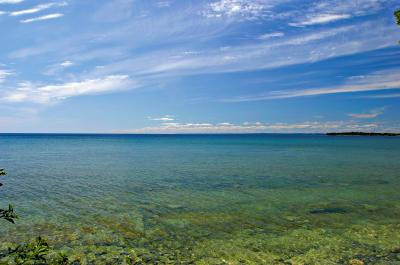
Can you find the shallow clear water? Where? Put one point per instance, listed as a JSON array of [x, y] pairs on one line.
[[206, 199]]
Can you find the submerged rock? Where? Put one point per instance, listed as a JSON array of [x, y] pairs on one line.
[[356, 262], [396, 250]]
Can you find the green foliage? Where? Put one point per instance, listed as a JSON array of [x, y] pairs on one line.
[[32, 253], [37, 252], [129, 260], [62, 259], [8, 214], [397, 16]]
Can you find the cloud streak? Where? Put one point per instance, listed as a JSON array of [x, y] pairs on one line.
[[324, 12], [49, 94], [257, 127], [66, 64], [58, 68], [242, 9], [374, 82], [279, 52], [11, 1], [37, 9], [41, 18], [271, 35], [164, 49], [320, 19], [370, 115], [165, 118], [4, 74]]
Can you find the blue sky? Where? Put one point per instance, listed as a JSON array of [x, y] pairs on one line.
[[189, 66]]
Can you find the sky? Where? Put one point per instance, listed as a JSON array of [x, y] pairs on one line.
[[199, 66]]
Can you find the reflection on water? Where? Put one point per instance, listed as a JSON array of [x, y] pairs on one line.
[[261, 199]]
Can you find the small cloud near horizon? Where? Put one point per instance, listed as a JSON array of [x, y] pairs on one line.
[[370, 115], [164, 118]]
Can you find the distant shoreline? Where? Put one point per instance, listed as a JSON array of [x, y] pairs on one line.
[[362, 134], [204, 134]]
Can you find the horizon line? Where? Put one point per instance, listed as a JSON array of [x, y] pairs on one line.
[[194, 133]]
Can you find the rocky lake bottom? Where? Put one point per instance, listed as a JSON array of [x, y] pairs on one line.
[[250, 199]]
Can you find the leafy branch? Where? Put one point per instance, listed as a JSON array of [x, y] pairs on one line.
[[33, 253], [7, 214]]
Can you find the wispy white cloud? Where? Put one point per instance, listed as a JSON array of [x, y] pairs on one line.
[[320, 19], [48, 94], [305, 47], [4, 74], [326, 11], [271, 35], [11, 1], [385, 80], [237, 58], [168, 58], [258, 127], [66, 64], [370, 115], [318, 35], [165, 118], [357, 8], [37, 8], [163, 4], [245, 9], [58, 68], [41, 18]]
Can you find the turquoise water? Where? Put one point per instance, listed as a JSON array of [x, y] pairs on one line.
[[205, 199]]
